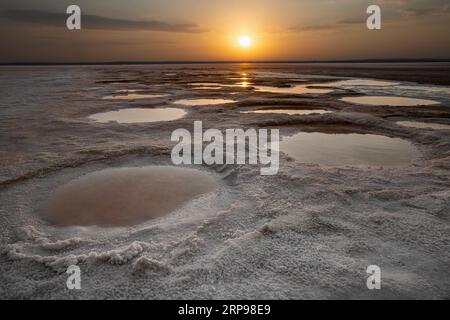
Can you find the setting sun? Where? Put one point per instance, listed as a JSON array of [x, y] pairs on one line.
[[245, 41]]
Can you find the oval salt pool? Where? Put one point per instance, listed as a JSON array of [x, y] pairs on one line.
[[125, 196], [139, 115], [349, 149], [203, 102], [289, 111], [299, 89], [424, 125], [207, 88], [215, 85], [389, 101], [357, 83]]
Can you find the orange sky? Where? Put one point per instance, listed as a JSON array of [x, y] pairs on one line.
[[137, 30]]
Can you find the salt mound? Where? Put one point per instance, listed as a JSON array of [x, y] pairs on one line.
[[124, 196]]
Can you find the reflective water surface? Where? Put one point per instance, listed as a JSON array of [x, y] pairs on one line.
[[139, 115], [289, 111], [349, 149], [134, 96], [124, 196], [389, 101], [203, 102], [299, 89]]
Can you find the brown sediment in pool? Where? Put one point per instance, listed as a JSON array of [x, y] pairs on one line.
[[125, 196]]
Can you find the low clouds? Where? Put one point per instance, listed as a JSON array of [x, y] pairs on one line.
[[419, 12], [401, 11], [340, 24], [96, 22]]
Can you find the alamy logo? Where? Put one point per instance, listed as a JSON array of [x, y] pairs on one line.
[[374, 280], [74, 280], [374, 20], [237, 146], [73, 22]]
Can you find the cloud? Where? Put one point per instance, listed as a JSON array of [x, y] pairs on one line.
[[420, 12], [96, 22], [312, 28], [403, 14], [338, 25]]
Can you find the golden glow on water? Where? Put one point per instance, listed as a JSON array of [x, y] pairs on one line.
[[243, 84]]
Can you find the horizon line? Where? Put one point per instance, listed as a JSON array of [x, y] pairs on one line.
[[390, 60]]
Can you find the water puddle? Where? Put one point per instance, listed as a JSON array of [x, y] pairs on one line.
[[389, 101], [125, 196], [361, 150], [424, 125], [426, 89], [139, 115], [203, 102], [289, 111], [128, 91], [207, 88], [299, 89], [216, 85], [134, 96], [205, 84], [356, 83]]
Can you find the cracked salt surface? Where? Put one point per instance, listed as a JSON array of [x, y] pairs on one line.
[[308, 232]]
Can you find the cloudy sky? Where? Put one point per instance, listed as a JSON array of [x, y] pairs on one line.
[[138, 30]]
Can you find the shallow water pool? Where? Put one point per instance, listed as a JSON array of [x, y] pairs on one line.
[[389, 101], [349, 149], [139, 115]]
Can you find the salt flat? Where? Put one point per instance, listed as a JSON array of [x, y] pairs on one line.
[[308, 232]]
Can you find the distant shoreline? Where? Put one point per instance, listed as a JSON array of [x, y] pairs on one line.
[[222, 62]]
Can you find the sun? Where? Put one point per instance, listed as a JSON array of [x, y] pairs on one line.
[[245, 41]]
